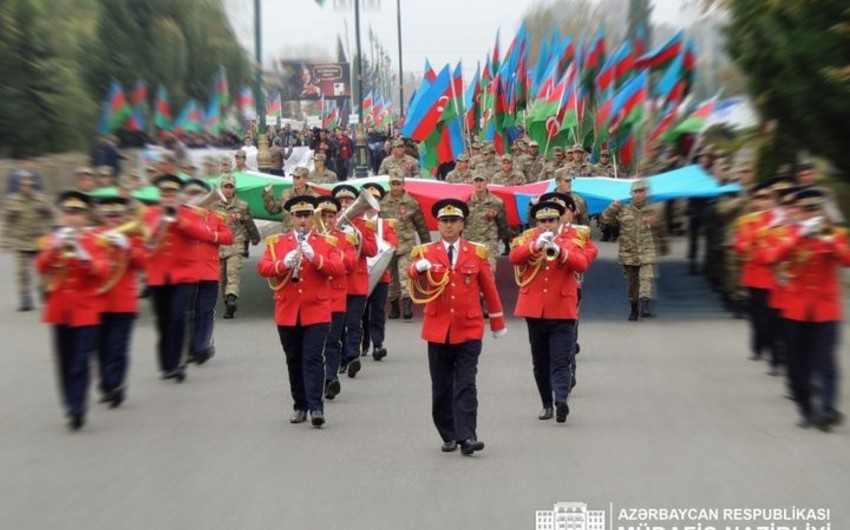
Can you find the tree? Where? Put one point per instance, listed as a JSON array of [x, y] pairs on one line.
[[793, 53], [640, 16]]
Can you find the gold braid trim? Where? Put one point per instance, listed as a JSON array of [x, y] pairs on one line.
[[428, 295], [117, 274], [277, 286]]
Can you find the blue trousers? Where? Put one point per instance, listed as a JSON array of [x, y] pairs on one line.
[[552, 354], [333, 346], [812, 354], [375, 317], [303, 347], [113, 353], [203, 319], [454, 394], [169, 305], [354, 306], [73, 348]]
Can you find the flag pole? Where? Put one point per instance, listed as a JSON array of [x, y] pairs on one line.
[[454, 100]]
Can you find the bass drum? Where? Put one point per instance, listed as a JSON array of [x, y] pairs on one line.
[[379, 262]]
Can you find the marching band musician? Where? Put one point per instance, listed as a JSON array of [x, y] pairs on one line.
[[814, 250], [74, 268], [328, 208], [546, 262], [175, 232], [447, 276], [375, 313], [297, 265], [203, 300], [127, 255], [362, 236]]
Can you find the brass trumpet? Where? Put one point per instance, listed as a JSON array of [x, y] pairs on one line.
[[295, 278], [551, 250], [130, 228]]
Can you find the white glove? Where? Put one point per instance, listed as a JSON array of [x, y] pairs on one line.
[[810, 226], [289, 259], [543, 239], [348, 229], [56, 240], [66, 232], [82, 254], [119, 240], [778, 218], [422, 265], [498, 334], [308, 251]]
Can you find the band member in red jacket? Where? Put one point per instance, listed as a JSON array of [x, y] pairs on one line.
[[175, 234], [375, 313], [74, 269], [125, 252], [203, 300], [362, 236], [546, 262], [448, 276], [815, 249], [329, 208], [297, 265]]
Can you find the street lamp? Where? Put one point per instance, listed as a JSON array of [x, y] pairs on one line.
[[360, 168]]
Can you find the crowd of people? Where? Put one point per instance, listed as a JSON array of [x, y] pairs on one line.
[[773, 251]]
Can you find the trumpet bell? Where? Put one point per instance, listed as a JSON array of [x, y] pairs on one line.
[[364, 202]]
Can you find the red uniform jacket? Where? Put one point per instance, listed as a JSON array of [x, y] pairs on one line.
[[581, 231], [339, 284], [175, 257], [551, 288], [358, 277], [455, 315], [72, 284], [749, 239], [120, 292], [814, 287], [307, 300], [389, 235], [209, 265], [779, 292]]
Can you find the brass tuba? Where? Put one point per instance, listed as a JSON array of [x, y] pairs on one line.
[[364, 202], [205, 202]]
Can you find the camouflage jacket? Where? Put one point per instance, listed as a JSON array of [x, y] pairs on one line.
[[639, 242], [274, 205], [532, 167], [599, 170], [241, 224], [408, 213], [325, 177], [456, 177], [730, 208], [487, 169], [514, 178], [487, 222], [26, 220], [549, 169], [408, 166]]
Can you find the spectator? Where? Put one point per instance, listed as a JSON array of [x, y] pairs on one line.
[[345, 151]]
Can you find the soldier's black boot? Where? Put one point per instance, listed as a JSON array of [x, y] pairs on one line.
[[394, 310], [230, 306], [507, 243], [645, 308], [633, 315], [26, 303], [407, 308]]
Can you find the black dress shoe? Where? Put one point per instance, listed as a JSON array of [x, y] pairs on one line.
[[449, 446], [179, 375], [572, 382], [406, 308], [116, 398], [578, 348], [332, 389], [754, 357], [561, 411], [395, 312], [299, 416], [379, 353], [773, 371], [470, 445], [76, 420], [353, 367], [546, 413], [833, 417], [317, 418], [343, 367]]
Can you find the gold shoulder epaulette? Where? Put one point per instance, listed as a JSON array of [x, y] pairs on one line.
[[271, 240], [333, 240], [419, 250], [371, 224], [43, 242], [221, 214], [517, 241], [528, 234], [584, 230], [393, 223], [351, 238], [482, 251], [840, 231], [749, 218]]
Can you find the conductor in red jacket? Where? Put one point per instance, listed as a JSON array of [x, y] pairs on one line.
[[298, 265], [546, 262], [74, 268], [449, 276]]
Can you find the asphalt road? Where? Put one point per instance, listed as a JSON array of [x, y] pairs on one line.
[[667, 413]]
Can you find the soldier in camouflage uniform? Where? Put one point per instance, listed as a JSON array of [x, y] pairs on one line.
[[321, 174], [241, 224], [406, 210], [557, 162], [461, 174], [640, 235], [27, 216], [730, 208], [408, 165], [507, 175], [605, 167], [487, 222], [531, 163], [475, 155], [210, 167], [564, 184], [488, 166], [299, 187], [575, 163]]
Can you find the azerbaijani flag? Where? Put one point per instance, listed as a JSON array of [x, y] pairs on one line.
[[161, 111], [275, 107], [422, 117], [116, 110], [222, 92], [696, 122], [366, 106], [246, 101], [663, 54]]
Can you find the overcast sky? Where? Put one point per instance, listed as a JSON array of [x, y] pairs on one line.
[[441, 30]]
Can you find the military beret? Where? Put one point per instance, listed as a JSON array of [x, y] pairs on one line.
[[547, 210], [450, 208], [300, 203]]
